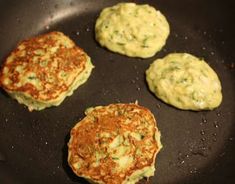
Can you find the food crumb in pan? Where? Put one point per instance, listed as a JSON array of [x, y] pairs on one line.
[[165, 50], [158, 106]]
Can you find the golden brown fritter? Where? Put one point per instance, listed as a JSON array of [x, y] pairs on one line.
[[114, 144], [45, 69]]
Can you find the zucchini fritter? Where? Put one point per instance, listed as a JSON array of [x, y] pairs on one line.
[[45, 69], [114, 144]]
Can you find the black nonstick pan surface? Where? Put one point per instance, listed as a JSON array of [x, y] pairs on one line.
[[198, 146]]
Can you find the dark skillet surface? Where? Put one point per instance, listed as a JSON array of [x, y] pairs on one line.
[[198, 146]]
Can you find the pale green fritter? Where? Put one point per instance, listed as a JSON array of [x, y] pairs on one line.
[[132, 30], [185, 81]]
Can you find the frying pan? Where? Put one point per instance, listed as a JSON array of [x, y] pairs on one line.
[[198, 146]]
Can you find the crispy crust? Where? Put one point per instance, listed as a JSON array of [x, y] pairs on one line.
[[96, 133], [43, 67]]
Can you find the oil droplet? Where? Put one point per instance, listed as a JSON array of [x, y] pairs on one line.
[[216, 124], [204, 120], [218, 113], [158, 106], [231, 138], [212, 53], [203, 48], [133, 81], [138, 88], [214, 139], [193, 171], [203, 139], [202, 132], [185, 37], [88, 29], [180, 154], [47, 27], [77, 33], [214, 134]]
